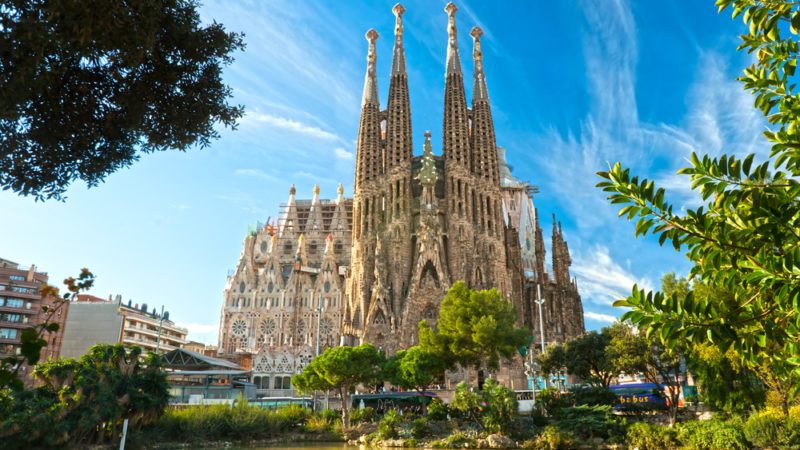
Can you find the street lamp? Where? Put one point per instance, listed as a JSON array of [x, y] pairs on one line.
[[539, 301], [320, 310]]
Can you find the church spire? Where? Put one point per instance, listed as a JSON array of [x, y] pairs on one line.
[[483, 145], [399, 149], [398, 56], [455, 136], [369, 154], [479, 91], [371, 81], [453, 62]]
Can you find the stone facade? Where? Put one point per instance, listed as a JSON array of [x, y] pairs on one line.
[[288, 288], [415, 225]]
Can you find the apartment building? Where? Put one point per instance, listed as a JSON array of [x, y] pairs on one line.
[[95, 320], [21, 305]]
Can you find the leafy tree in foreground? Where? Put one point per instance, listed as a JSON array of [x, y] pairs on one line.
[[414, 369], [587, 358], [83, 402], [475, 329], [341, 369], [89, 85], [724, 384], [32, 339], [746, 239]]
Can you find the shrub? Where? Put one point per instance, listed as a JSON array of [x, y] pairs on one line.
[[644, 436], [387, 429], [317, 423], [331, 415], [538, 417], [437, 410], [768, 429], [419, 428], [553, 401], [362, 415], [591, 394], [591, 421], [713, 435], [551, 439], [294, 415], [459, 439], [762, 429], [794, 413]]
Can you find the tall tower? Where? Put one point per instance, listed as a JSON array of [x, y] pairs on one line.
[[424, 222], [397, 230], [459, 191], [367, 202], [485, 176]]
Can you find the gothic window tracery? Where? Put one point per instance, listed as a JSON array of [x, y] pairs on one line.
[[239, 328], [325, 327], [268, 326]]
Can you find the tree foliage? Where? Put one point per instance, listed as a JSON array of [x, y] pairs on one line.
[[413, 369], [475, 329], [553, 359], [723, 383], [341, 369], [587, 358], [634, 353], [32, 339], [83, 402], [90, 85], [746, 238]]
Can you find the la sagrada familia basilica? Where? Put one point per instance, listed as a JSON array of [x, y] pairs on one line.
[[368, 269]]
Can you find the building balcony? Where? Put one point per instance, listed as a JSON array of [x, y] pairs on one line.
[[154, 333], [149, 344]]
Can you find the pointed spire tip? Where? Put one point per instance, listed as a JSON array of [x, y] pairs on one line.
[[371, 35], [453, 62], [476, 33]]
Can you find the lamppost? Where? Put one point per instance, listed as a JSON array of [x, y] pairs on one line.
[[320, 310], [539, 301]]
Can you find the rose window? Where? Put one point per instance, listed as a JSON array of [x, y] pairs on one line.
[[267, 326], [239, 328], [325, 327]]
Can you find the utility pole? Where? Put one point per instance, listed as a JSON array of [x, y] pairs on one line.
[[160, 323]]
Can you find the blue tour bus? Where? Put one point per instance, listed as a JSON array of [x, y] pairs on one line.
[[644, 394]]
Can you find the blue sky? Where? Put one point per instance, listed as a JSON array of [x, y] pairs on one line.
[[573, 85]]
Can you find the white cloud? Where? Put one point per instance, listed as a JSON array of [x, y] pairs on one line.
[[342, 153], [600, 317], [313, 177], [601, 279], [255, 173], [288, 124]]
